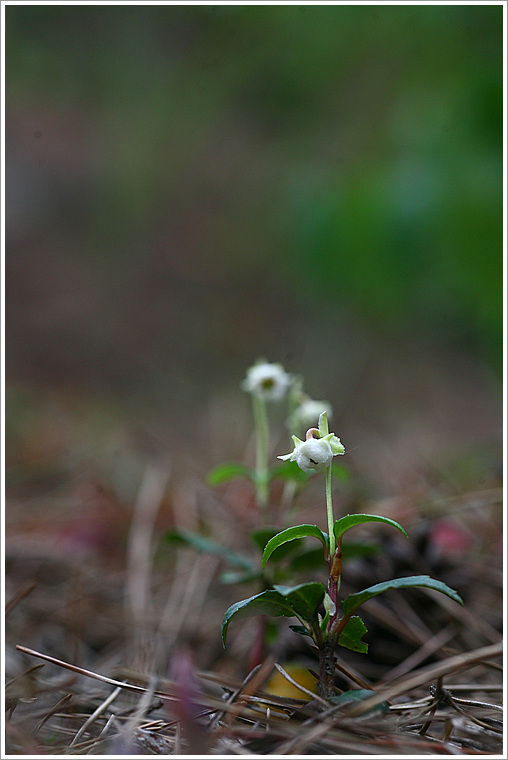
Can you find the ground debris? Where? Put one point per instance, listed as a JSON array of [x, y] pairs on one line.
[[115, 717]]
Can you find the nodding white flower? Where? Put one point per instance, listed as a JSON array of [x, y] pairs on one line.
[[268, 381], [314, 453], [307, 413]]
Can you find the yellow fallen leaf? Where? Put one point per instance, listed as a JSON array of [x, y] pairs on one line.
[[280, 686]]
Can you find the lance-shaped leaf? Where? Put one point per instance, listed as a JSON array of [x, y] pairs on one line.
[[311, 559], [301, 630], [261, 536], [232, 576], [351, 636], [304, 599], [267, 603], [349, 521], [228, 471], [353, 601], [297, 531], [208, 546]]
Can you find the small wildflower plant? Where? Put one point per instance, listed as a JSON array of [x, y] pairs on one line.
[[328, 620]]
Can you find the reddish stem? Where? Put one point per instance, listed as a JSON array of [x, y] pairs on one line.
[[334, 574]]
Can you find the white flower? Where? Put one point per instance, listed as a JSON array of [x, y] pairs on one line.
[[307, 413], [268, 381], [314, 453]]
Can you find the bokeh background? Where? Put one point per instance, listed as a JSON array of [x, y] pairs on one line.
[[191, 188]]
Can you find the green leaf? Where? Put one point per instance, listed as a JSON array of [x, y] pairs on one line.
[[340, 472], [267, 603], [353, 601], [305, 599], [298, 531], [324, 622], [261, 536], [232, 576], [352, 634], [349, 521], [353, 549], [307, 560], [300, 629], [313, 558], [289, 471], [228, 471], [208, 546]]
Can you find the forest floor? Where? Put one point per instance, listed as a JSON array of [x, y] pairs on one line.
[[113, 636]]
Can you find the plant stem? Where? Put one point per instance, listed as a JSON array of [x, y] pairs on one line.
[[327, 668], [261, 422], [329, 509]]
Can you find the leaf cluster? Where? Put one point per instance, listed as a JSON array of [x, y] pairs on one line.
[[304, 601]]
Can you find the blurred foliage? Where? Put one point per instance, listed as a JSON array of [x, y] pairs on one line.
[[352, 153]]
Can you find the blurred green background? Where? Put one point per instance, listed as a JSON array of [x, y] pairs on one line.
[[191, 187]]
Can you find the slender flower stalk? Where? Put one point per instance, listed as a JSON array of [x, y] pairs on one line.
[[329, 509], [262, 435]]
